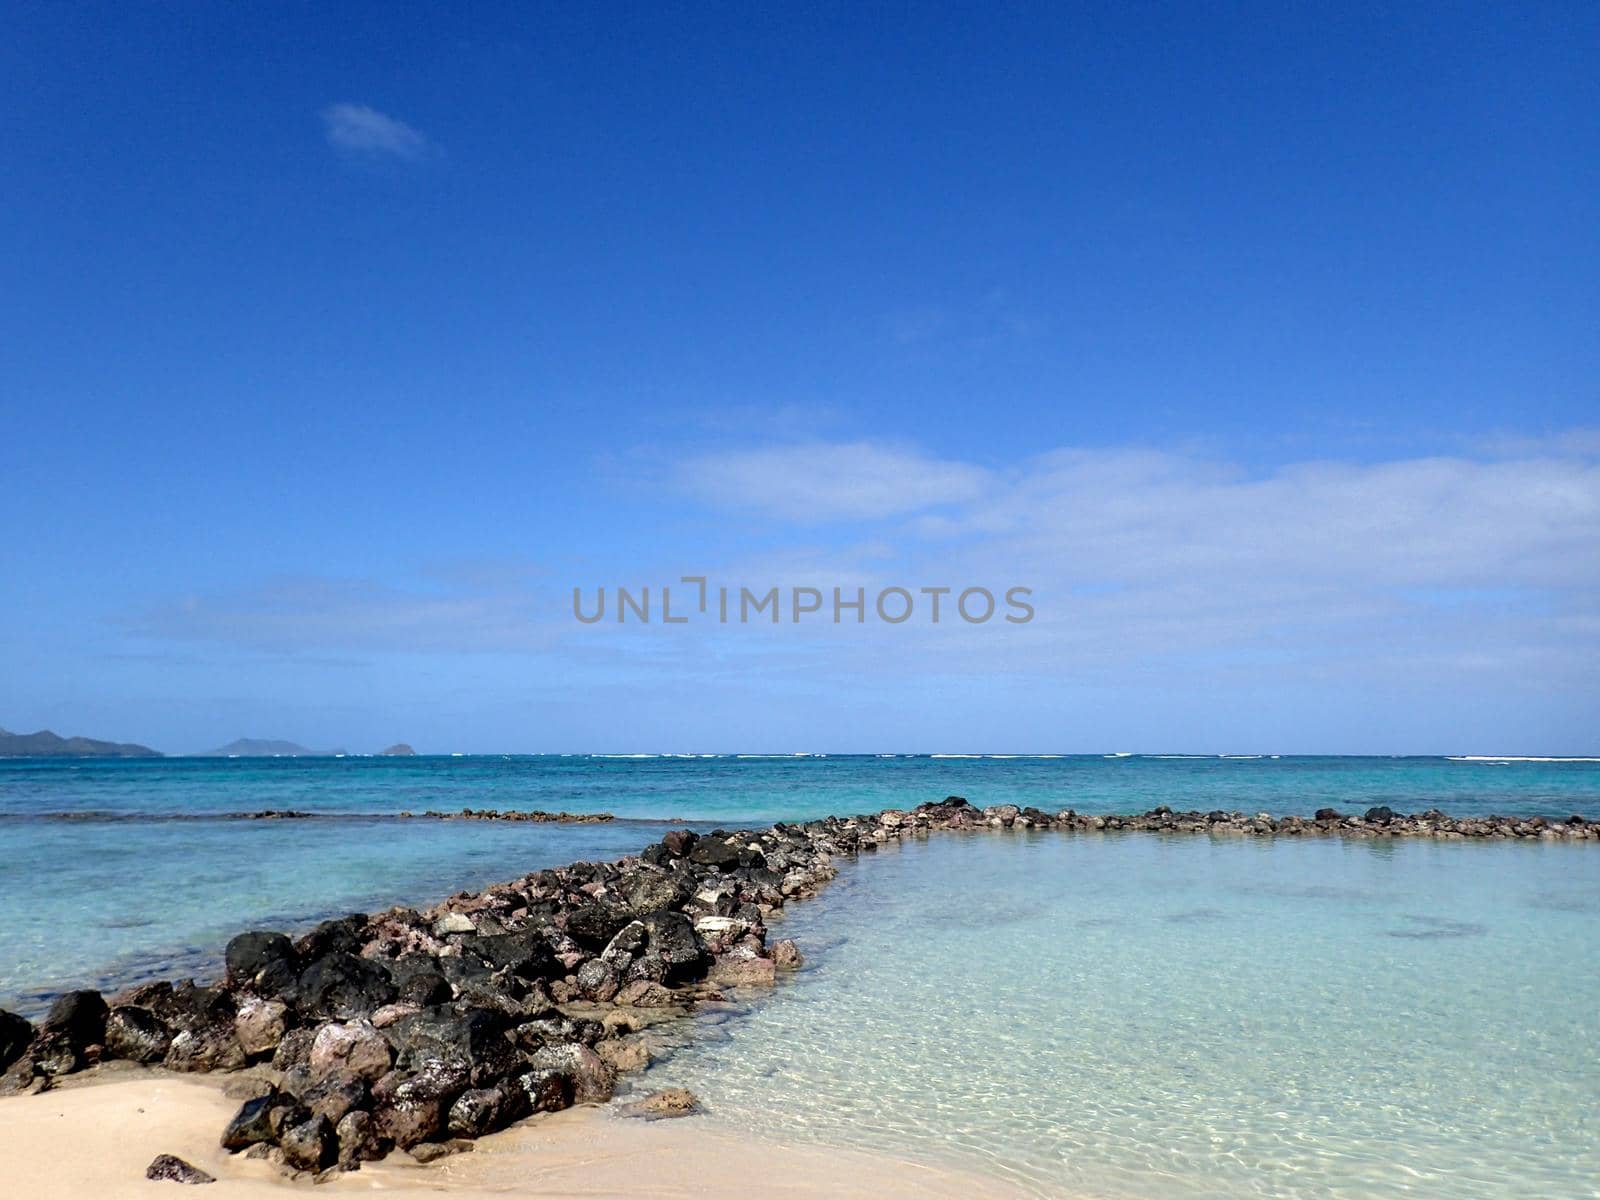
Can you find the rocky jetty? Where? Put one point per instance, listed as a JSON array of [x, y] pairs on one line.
[[424, 1029], [536, 815]]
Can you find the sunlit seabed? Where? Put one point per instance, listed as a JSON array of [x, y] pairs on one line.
[[1137, 1016]]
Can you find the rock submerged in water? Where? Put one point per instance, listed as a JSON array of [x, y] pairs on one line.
[[668, 1102], [172, 1168]]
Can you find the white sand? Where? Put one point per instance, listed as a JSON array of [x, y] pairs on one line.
[[94, 1139]]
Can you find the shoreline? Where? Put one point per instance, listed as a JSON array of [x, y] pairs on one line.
[[407, 1029], [95, 1135]]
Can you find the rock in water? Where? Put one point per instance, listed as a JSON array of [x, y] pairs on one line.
[[173, 1168], [668, 1102], [786, 955]]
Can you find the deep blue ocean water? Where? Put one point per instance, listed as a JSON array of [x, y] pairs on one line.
[[113, 869]]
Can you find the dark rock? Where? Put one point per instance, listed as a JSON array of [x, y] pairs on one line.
[[598, 980], [433, 1151], [525, 953], [418, 981], [249, 954], [80, 1016], [671, 937], [341, 985], [16, 1035], [53, 1053], [411, 1109], [547, 1089], [594, 925], [630, 940], [334, 1095], [212, 1047], [294, 1050], [1328, 814], [679, 842], [714, 852], [359, 1140], [593, 1081], [173, 1169], [475, 1039], [189, 1006], [310, 1145], [476, 1112], [251, 1124], [343, 935], [647, 891], [136, 1034], [1380, 815]]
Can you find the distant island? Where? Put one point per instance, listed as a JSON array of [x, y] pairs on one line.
[[45, 744], [266, 748], [398, 750]]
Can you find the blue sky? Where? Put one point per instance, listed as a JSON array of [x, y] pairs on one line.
[[340, 344]]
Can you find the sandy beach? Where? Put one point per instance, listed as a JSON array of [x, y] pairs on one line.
[[95, 1136]]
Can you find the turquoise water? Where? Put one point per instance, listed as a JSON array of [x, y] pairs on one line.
[[1120, 1016], [150, 875], [1162, 1017]]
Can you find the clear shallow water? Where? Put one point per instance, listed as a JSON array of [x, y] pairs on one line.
[[1138, 1016], [150, 877]]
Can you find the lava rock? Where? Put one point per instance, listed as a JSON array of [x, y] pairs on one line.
[[597, 980], [342, 986], [310, 1145], [476, 1112], [474, 1038], [16, 1035], [359, 1140], [647, 891], [251, 1124], [714, 852], [334, 1095], [593, 1081], [260, 1025], [260, 955], [355, 1047], [173, 1169], [671, 938], [342, 935], [79, 1016], [136, 1034], [678, 842], [594, 925], [411, 1109]]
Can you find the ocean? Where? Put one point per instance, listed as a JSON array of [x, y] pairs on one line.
[[1117, 1015]]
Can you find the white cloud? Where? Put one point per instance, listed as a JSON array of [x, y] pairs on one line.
[[358, 129], [823, 482]]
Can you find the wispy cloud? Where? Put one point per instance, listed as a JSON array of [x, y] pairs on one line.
[[823, 482], [360, 130]]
